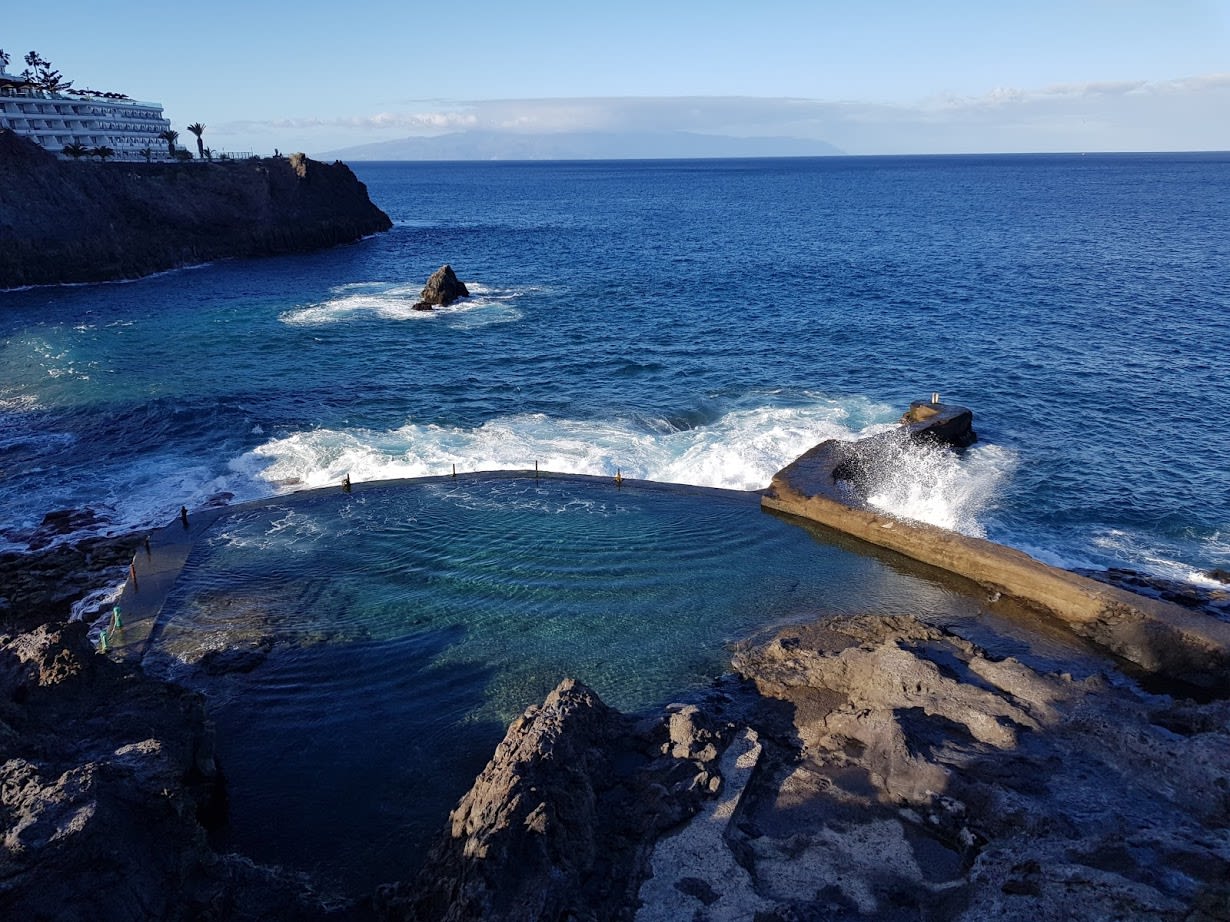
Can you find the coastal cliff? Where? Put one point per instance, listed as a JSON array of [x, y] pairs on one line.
[[66, 222]]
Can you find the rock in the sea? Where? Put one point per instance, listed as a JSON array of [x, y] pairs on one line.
[[441, 290], [43, 587], [1211, 601]]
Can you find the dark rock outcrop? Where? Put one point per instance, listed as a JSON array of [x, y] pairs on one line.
[[1214, 602], [104, 778], [866, 767], [91, 222], [559, 823], [441, 290], [42, 588], [927, 424]]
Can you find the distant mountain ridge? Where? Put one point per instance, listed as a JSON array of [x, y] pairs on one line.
[[582, 145]]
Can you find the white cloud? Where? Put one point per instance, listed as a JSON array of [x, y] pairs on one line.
[[1186, 113]]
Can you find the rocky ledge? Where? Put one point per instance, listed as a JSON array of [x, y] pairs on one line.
[[861, 768], [65, 222], [107, 786]]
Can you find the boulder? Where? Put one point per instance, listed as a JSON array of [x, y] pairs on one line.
[[560, 822], [442, 289], [105, 775]]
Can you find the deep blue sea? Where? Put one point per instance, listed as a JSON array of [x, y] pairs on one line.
[[691, 321]]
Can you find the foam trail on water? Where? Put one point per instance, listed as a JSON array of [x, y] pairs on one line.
[[741, 450], [1155, 558], [932, 484], [392, 301]]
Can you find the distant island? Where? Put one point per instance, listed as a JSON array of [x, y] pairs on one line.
[[68, 222], [584, 145]]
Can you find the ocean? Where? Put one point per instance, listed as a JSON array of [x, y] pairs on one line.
[[696, 323]]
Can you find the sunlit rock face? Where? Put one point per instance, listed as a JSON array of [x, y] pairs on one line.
[[89, 222]]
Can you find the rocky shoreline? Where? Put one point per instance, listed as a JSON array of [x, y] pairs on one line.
[[870, 767], [108, 788], [866, 767], [69, 222]]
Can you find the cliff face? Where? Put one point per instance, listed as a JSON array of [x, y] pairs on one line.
[[91, 222]]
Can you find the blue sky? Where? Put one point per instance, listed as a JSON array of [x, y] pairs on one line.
[[869, 77]]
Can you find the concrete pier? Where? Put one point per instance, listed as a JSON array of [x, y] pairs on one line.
[[823, 486]]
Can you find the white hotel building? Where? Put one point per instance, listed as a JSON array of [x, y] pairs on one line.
[[91, 119]]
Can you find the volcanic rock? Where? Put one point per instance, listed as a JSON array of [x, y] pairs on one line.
[[559, 823], [41, 588], [88, 222], [870, 767], [1211, 601], [103, 774], [442, 289], [934, 781]]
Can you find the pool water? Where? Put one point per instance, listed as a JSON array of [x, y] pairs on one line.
[[379, 642]]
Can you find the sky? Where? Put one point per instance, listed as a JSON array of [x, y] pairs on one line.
[[871, 77]]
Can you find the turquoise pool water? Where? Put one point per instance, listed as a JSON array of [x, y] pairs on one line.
[[380, 641]]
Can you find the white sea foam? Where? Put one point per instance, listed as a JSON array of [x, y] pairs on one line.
[[290, 532], [741, 450], [395, 301], [15, 401], [97, 603], [936, 485], [1146, 556]]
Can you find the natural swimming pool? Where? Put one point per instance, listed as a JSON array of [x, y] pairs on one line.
[[362, 653]]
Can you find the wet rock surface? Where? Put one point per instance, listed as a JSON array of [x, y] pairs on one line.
[[42, 588], [90, 222], [441, 290], [1212, 601]]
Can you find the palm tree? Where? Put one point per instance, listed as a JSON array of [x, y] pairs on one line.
[[147, 154], [102, 153], [76, 151], [170, 137], [198, 129]]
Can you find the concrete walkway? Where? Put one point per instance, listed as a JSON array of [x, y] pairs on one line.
[[152, 574]]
